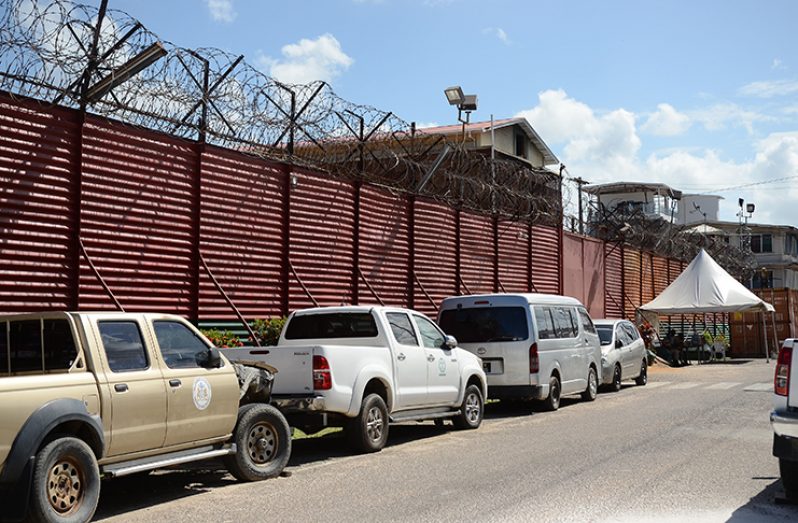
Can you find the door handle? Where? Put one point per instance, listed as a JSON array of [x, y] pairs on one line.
[[430, 358], [401, 356], [120, 387], [175, 382]]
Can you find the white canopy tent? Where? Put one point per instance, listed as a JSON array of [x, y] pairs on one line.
[[704, 286]]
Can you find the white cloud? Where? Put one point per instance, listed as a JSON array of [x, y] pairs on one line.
[[498, 32], [666, 121], [307, 61], [222, 10], [605, 147], [722, 115], [777, 64], [769, 88]]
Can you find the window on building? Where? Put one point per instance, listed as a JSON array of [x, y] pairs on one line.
[[761, 243], [762, 280]]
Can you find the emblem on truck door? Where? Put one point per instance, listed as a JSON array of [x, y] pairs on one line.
[[201, 392], [441, 367]]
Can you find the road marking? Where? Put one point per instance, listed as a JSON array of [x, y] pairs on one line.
[[724, 385], [760, 387], [685, 385], [655, 384]]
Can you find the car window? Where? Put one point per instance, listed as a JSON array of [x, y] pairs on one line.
[[26, 345], [179, 346], [123, 346], [631, 332], [605, 334], [59, 345], [587, 323], [430, 335], [621, 334], [332, 325], [485, 324], [564, 322], [545, 323], [402, 328]]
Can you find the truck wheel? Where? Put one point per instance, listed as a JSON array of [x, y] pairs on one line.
[[263, 441], [66, 482], [591, 391], [552, 402], [471, 411], [368, 432], [789, 477], [616, 379]]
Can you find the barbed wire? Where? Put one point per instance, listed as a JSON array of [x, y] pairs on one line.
[[108, 63]]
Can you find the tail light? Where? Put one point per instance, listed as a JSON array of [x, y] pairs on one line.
[[322, 380], [781, 383], [534, 361]]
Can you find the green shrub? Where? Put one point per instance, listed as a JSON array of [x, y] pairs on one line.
[[222, 339], [267, 331]]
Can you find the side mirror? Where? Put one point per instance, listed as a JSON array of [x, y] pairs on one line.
[[210, 359], [450, 342], [618, 344]]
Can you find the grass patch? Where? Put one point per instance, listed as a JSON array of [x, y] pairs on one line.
[[298, 434]]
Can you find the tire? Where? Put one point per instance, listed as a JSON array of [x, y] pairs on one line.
[[368, 432], [591, 391], [66, 482], [552, 402], [263, 440], [615, 386], [789, 477], [643, 378], [471, 411]]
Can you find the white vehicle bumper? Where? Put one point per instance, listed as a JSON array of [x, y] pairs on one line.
[[784, 423], [288, 404]]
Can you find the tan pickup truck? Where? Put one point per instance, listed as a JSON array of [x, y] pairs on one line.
[[91, 395]]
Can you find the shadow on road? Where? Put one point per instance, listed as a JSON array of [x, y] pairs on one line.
[[766, 506]]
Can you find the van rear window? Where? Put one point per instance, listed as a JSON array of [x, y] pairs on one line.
[[3, 348], [331, 325], [485, 324]]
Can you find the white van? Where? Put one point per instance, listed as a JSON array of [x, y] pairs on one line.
[[533, 346]]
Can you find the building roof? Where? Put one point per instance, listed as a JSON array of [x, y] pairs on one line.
[[631, 187], [549, 157], [751, 225]]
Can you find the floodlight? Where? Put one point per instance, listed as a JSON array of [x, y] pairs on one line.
[[454, 94], [469, 103], [749, 208]]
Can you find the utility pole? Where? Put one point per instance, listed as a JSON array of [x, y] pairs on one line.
[[580, 182]]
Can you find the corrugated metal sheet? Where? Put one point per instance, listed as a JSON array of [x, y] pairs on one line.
[[37, 172], [137, 218], [593, 262], [573, 267], [477, 259], [648, 278], [322, 231], [384, 249], [241, 235], [632, 280], [545, 256], [613, 281], [514, 266], [661, 281], [435, 254]]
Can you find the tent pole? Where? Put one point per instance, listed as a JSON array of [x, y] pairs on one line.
[[765, 335], [775, 336]]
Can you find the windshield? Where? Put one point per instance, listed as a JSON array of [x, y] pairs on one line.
[[605, 334], [486, 324]]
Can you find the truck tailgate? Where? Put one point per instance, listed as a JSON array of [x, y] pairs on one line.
[[294, 366]]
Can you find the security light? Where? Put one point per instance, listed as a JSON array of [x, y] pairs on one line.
[[469, 103], [454, 94], [749, 208]]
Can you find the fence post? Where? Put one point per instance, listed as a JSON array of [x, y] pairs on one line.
[[457, 277], [285, 266], [411, 251], [356, 243]]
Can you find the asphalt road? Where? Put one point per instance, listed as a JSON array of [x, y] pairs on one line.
[[692, 445]]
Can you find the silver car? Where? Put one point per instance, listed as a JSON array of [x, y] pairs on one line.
[[623, 353]]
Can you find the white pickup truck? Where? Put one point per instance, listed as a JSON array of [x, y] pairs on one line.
[[363, 367], [784, 417]]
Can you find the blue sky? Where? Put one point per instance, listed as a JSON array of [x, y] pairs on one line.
[[702, 95]]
